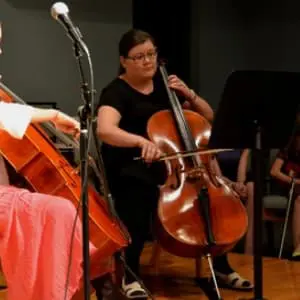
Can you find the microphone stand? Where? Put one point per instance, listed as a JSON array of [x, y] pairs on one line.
[[84, 113]]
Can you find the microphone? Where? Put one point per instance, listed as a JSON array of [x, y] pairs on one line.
[[60, 12]]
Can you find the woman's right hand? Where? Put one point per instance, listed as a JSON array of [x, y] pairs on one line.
[[150, 151]]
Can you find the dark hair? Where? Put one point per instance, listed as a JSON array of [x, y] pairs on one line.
[[131, 39]]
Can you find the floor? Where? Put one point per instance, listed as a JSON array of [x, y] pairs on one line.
[[174, 278]]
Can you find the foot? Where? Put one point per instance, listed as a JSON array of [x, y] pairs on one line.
[[105, 288], [233, 281], [133, 290], [296, 255]]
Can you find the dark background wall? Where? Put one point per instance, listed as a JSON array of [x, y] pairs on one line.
[[170, 26], [231, 35]]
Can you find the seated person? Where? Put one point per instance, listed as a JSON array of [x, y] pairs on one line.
[[286, 168], [235, 166], [226, 276]]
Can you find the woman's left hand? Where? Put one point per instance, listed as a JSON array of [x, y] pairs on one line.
[[67, 124], [178, 85], [241, 189]]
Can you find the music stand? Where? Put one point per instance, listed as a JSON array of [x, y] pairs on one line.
[[257, 111]]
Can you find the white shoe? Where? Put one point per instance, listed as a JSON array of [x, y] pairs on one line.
[[133, 290]]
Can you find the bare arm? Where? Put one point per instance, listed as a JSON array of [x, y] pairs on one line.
[[215, 167], [239, 188], [15, 118], [62, 121], [43, 115], [276, 172], [200, 105], [194, 101], [108, 129], [242, 168], [217, 170]]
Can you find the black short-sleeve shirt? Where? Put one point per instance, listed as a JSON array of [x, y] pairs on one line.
[[135, 109]]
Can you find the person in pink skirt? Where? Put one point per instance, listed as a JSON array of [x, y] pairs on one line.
[[35, 229]]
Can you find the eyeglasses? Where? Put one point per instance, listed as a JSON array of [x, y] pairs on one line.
[[142, 56]]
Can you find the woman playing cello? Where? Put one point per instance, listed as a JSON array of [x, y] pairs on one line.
[[125, 107]]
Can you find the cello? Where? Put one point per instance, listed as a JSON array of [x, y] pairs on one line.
[[198, 212], [36, 159]]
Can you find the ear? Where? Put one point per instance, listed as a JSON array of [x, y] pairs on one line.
[[123, 62]]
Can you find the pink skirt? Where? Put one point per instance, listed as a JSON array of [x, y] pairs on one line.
[[35, 245]]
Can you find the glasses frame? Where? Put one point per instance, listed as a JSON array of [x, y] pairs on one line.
[[151, 55]]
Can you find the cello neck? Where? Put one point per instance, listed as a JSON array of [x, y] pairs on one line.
[[181, 123], [10, 96], [47, 125]]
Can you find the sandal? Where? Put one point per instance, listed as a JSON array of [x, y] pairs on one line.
[[233, 281], [295, 256], [134, 290]]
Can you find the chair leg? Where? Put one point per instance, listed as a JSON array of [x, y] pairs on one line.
[[270, 235], [156, 252]]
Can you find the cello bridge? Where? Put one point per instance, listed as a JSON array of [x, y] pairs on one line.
[[194, 173]]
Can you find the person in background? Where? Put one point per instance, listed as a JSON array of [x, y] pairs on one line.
[[285, 169], [245, 177]]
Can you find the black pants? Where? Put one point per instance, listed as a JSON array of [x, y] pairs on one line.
[[135, 202]]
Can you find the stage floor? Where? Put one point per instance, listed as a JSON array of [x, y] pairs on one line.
[[175, 278]]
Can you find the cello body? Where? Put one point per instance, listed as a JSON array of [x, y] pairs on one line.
[[198, 213], [46, 171]]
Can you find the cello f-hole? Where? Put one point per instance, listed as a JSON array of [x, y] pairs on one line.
[[177, 172]]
